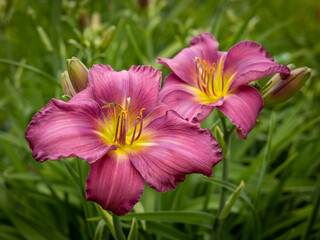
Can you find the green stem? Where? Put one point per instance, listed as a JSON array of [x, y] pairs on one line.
[[225, 170], [118, 228], [83, 197]]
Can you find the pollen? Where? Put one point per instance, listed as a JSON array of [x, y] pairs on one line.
[[122, 127], [210, 79]]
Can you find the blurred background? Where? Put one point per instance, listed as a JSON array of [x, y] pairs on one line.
[[279, 162]]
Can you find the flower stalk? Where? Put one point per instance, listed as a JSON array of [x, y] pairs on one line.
[[226, 137]]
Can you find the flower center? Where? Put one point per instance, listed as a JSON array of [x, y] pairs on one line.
[[123, 134], [209, 79]]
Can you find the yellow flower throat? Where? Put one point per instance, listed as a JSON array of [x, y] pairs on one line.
[[210, 81], [119, 132]]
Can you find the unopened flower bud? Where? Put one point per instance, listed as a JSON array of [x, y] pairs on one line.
[[275, 79], [45, 39], [279, 90], [107, 35], [144, 3], [83, 19], [95, 21], [78, 74], [67, 87]]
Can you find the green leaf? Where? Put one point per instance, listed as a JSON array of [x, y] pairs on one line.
[[31, 68], [45, 39], [107, 218], [138, 208], [99, 230], [266, 158], [242, 196], [118, 228], [168, 232], [139, 53], [13, 140], [192, 217], [251, 14], [231, 200], [133, 234], [314, 213]]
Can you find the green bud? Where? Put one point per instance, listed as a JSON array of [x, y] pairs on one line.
[[78, 74], [230, 202], [219, 136], [45, 39], [144, 3], [95, 22], [107, 35], [67, 87], [279, 90], [275, 79]]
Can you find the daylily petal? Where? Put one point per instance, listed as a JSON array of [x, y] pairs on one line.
[[184, 104], [141, 84], [248, 61], [178, 148], [85, 94], [242, 106], [61, 130], [172, 83], [178, 96], [114, 183], [203, 46], [159, 111]]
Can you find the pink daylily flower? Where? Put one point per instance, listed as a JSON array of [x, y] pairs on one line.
[[129, 138], [204, 78]]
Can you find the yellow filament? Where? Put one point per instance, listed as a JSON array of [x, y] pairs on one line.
[[218, 87], [210, 80], [120, 128], [141, 124], [140, 114]]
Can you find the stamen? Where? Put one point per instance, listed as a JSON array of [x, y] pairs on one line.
[[141, 124], [134, 133], [135, 127], [128, 108], [212, 71], [218, 87], [140, 114], [122, 109], [140, 131], [204, 75], [209, 78], [116, 134], [198, 66], [122, 118], [123, 126], [123, 133]]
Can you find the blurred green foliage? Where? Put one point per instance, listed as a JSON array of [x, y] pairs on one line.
[[281, 196]]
